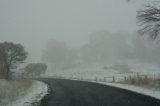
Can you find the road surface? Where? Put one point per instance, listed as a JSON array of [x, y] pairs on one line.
[[79, 93]]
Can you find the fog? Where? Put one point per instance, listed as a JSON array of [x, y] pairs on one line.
[[88, 31]]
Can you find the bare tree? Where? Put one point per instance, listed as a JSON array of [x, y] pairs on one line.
[[149, 19], [11, 55]]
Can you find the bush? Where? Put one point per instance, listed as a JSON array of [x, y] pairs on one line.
[[35, 69]]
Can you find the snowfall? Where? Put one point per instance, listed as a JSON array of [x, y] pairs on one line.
[[32, 96]]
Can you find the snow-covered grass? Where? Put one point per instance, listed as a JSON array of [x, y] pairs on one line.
[[106, 72], [149, 81], [21, 93], [139, 89], [88, 73], [10, 90]]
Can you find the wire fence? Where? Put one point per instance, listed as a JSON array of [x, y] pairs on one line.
[[114, 78]]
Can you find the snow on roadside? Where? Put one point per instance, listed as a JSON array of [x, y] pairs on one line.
[[104, 73], [145, 91], [33, 95], [141, 90]]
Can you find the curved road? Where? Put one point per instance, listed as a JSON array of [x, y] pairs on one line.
[[78, 93]]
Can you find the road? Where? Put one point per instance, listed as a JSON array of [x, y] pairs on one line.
[[79, 93]]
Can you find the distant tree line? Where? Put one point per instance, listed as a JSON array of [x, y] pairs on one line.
[[102, 47]]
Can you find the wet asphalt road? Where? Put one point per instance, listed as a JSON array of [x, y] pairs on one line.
[[78, 93]]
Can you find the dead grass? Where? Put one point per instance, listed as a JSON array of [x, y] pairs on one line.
[[10, 90], [150, 81]]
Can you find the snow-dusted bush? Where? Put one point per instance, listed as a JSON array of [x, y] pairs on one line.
[[35, 69]]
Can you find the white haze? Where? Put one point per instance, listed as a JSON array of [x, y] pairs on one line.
[[34, 22]]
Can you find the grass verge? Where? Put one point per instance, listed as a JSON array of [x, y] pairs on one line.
[[10, 90]]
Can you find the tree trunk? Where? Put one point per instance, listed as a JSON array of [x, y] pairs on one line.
[[7, 70], [7, 73], [3, 71]]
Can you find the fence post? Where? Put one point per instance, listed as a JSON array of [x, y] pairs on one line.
[[154, 77], [113, 80], [125, 79], [138, 76], [105, 79], [95, 79]]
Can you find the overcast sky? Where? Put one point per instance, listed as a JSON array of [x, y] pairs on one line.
[[33, 22]]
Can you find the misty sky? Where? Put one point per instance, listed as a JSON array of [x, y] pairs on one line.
[[33, 22]]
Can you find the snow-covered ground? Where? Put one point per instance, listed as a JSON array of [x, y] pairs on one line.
[[107, 72], [31, 97], [142, 90]]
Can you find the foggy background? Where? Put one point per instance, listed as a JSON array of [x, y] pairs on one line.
[[34, 22], [74, 32]]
